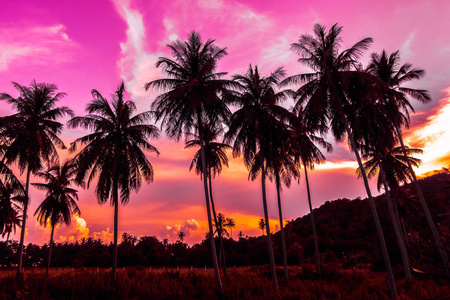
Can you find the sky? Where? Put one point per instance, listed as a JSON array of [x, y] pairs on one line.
[[84, 45]]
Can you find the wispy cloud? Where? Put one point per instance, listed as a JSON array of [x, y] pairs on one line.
[[36, 45], [406, 48], [137, 67]]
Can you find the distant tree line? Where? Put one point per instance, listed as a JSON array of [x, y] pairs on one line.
[[346, 231]]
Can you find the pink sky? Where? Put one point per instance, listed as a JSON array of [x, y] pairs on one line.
[[84, 45]]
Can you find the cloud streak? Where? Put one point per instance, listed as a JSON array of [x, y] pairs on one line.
[[37, 45]]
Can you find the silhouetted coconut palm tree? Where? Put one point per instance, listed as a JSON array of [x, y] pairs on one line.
[[331, 92], [31, 135], [230, 224], [387, 68], [59, 204], [215, 159], [13, 220], [392, 164], [282, 167], [12, 197], [181, 236], [254, 126], [262, 225], [308, 154], [114, 152], [375, 138], [220, 227], [191, 98]]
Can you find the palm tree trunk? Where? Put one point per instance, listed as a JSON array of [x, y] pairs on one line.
[[398, 233], [395, 202], [208, 209], [283, 239], [7, 237], [116, 221], [313, 223], [384, 251], [215, 221], [400, 219], [269, 238], [426, 209], [50, 251], [24, 220]]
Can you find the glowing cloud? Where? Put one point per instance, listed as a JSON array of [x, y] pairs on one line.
[[37, 45], [434, 137], [188, 227]]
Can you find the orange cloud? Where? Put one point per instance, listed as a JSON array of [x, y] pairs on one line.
[[433, 137], [105, 235], [76, 231], [189, 227]]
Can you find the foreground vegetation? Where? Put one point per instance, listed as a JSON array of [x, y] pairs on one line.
[[240, 283]]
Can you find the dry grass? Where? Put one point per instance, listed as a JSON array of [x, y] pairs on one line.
[[241, 283]]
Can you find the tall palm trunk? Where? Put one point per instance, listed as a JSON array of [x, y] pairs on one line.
[[208, 209], [217, 223], [24, 221], [395, 223], [269, 238], [116, 225], [7, 238], [313, 224], [426, 209], [283, 239], [400, 219], [50, 250], [395, 204], [384, 251]]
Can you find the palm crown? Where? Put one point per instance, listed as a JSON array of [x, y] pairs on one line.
[[394, 164], [325, 90], [12, 197], [193, 87], [258, 117], [33, 126], [215, 152], [114, 151], [59, 204]]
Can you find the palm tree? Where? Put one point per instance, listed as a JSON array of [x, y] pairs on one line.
[[230, 224], [282, 167], [220, 227], [262, 225], [387, 68], [308, 154], [215, 154], [254, 126], [192, 98], [59, 204], [241, 236], [114, 151], [31, 135], [12, 197], [331, 92], [181, 236], [13, 220], [392, 168]]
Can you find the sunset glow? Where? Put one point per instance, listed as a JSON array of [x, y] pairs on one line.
[[85, 45]]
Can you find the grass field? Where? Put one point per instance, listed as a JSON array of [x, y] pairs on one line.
[[241, 283]]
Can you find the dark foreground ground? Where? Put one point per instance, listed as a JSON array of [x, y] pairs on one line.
[[241, 283]]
